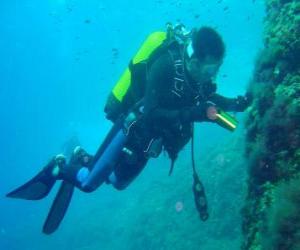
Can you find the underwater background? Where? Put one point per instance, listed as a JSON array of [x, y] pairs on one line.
[[59, 60]]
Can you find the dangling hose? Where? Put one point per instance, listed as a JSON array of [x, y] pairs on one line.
[[198, 188]]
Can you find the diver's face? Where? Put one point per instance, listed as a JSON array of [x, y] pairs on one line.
[[204, 70]]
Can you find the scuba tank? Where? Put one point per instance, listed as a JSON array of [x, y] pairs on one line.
[[128, 90]]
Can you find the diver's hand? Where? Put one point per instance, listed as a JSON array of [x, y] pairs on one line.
[[211, 111]]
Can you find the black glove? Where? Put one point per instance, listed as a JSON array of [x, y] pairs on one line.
[[243, 102]]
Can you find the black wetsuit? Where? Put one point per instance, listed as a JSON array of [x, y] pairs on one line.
[[170, 112]]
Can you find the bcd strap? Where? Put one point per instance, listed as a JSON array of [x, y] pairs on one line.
[[172, 166], [179, 77]]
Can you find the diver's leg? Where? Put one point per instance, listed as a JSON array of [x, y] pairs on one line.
[[86, 172], [56, 169], [83, 171], [104, 163], [78, 168], [134, 160], [126, 171]]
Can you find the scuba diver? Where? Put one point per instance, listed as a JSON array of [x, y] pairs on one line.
[[167, 87]]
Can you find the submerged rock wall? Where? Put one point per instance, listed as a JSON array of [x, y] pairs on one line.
[[271, 215]]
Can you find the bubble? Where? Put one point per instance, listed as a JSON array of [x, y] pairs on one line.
[[179, 206]]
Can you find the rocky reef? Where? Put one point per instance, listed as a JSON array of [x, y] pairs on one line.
[[271, 215]]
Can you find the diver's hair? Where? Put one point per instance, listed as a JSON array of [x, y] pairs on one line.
[[206, 41]]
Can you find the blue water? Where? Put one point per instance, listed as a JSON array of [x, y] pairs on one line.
[[57, 66]]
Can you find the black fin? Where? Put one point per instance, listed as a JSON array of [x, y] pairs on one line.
[[35, 189], [59, 208]]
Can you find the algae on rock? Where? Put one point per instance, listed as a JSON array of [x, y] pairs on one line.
[[271, 211]]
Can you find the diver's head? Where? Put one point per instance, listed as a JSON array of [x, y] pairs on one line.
[[204, 54]]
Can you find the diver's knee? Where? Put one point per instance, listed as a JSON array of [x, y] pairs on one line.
[[116, 182], [120, 186], [87, 189]]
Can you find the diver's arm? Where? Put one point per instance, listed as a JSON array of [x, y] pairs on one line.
[[238, 104]]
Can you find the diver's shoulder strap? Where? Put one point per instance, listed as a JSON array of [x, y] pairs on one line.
[[176, 54], [172, 166]]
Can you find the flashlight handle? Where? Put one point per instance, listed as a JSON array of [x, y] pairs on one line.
[[226, 120]]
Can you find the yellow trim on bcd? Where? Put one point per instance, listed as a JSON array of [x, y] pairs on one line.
[[153, 41]]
